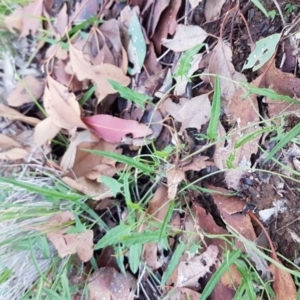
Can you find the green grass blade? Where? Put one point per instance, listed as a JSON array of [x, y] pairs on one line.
[[287, 138], [135, 252], [41, 190], [212, 130], [124, 159], [173, 263], [250, 136], [130, 95], [186, 61], [166, 220], [215, 278], [258, 4]]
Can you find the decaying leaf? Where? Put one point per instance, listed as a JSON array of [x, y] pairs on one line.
[[45, 131], [221, 63], [191, 113], [185, 38], [113, 129], [12, 114], [94, 189], [20, 96], [31, 18], [157, 209], [68, 243], [190, 271], [213, 9], [175, 177], [98, 74], [62, 106], [14, 154], [107, 283]]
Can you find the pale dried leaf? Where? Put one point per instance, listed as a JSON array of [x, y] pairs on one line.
[[61, 21], [185, 38], [14, 154], [77, 138], [85, 162], [213, 9], [190, 271], [62, 106], [19, 95], [14, 115], [14, 20], [45, 131], [115, 285], [194, 3], [32, 18], [6, 141], [95, 190], [220, 63], [198, 163], [175, 177], [157, 209], [71, 243]]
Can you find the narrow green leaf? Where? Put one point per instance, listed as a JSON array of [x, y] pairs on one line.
[[87, 95], [250, 136], [112, 183], [173, 262], [186, 61], [287, 138], [135, 257], [41, 190], [140, 238], [166, 219], [113, 236], [212, 130], [271, 94], [124, 159], [258, 4], [215, 278], [130, 95]]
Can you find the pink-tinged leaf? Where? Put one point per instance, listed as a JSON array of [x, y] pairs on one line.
[[113, 129]]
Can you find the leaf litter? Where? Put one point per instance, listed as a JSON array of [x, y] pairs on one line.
[[166, 133]]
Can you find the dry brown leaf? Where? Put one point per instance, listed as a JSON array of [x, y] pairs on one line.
[[167, 24], [95, 190], [14, 20], [185, 38], [6, 141], [220, 63], [62, 106], [213, 9], [107, 283], [195, 112], [68, 158], [157, 209], [85, 162], [232, 278], [194, 3], [190, 271], [45, 131], [198, 163], [68, 243], [174, 177], [184, 294], [159, 7], [99, 74], [14, 154], [284, 285], [31, 18], [14, 115], [19, 95], [180, 88], [61, 21]]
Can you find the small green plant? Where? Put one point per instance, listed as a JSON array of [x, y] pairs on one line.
[[272, 14], [289, 8]]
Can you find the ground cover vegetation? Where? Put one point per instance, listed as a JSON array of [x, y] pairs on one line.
[[149, 149]]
